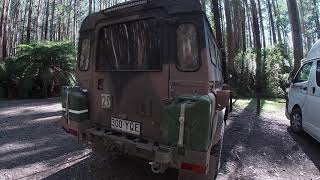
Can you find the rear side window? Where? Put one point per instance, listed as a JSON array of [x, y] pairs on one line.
[[187, 47], [84, 56], [318, 73], [303, 74]]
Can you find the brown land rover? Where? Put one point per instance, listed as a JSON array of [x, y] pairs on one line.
[[150, 85]]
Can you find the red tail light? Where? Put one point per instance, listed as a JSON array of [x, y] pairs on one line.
[[194, 168], [73, 132]]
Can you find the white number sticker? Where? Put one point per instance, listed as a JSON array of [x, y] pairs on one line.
[[105, 101]]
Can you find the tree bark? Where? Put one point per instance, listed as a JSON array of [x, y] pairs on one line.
[[219, 37], [274, 37], [46, 26], [230, 38], [316, 19], [29, 23], [90, 6], [37, 20], [296, 34], [52, 28], [257, 45], [3, 31], [276, 13], [262, 25]]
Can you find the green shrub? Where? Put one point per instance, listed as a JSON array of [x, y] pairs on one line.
[[49, 63], [275, 68], [40, 69]]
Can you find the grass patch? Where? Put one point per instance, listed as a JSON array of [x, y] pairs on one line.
[[272, 105], [268, 105]]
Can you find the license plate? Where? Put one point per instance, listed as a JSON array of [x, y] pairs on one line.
[[125, 126]]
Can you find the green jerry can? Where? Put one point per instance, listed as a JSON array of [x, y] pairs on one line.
[[197, 123], [75, 104]]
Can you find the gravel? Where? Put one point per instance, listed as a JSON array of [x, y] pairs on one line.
[[265, 148], [33, 146]]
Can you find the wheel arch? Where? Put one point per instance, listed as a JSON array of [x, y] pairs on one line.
[[296, 106]]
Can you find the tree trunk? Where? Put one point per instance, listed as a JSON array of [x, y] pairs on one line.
[[24, 22], [60, 24], [248, 25], [261, 24], [276, 13], [316, 20], [230, 38], [303, 26], [4, 5], [90, 6], [3, 32], [52, 28], [29, 23], [37, 19], [219, 37], [68, 33], [274, 37], [46, 26], [257, 45], [296, 34]]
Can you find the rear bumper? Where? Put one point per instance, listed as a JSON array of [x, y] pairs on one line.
[[106, 142]]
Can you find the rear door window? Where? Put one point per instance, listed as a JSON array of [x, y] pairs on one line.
[[84, 56], [130, 46], [303, 74], [188, 58]]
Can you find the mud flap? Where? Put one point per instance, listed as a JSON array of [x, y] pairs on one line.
[[75, 128], [214, 164]]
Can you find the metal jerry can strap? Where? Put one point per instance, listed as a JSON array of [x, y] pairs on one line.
[[182, 123]]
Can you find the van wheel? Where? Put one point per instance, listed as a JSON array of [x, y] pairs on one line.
[[296, 120]]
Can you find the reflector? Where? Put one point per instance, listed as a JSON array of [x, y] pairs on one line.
[[73, 132], [194, 168]]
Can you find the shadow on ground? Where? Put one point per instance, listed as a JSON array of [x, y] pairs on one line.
[[30, 138], [260, 147], [309, 146], [123, 168]]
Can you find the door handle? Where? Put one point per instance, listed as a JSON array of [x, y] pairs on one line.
[[304, 88], [313, 90]]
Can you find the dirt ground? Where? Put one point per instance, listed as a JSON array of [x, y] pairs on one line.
[[33, 146]]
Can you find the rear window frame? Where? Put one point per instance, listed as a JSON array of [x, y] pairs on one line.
[[125, 20], [176, 44], [81, 39]]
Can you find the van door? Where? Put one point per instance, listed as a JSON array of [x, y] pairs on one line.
[[312, 114], [299, 87]]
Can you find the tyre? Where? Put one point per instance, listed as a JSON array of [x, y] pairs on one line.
[[296, 120]]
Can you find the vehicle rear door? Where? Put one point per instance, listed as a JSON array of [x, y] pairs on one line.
[[132, 76], [188, 73]]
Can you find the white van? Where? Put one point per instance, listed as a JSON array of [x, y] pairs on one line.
[[303, 105]]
